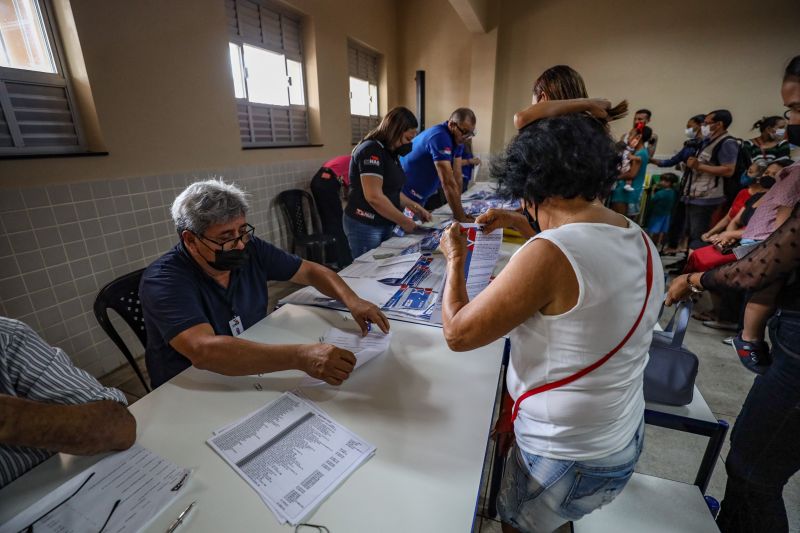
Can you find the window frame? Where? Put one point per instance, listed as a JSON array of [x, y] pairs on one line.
[[244, 105], [60, 79], [360, 125]]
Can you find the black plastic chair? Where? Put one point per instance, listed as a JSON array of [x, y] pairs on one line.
[[122, 295], [307, 234]]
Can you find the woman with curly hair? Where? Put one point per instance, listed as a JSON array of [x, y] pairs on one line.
[[579, 301]]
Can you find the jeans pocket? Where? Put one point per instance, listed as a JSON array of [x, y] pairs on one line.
[[591, 490], [785, 335]]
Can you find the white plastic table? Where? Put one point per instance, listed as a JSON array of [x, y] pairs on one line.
[[427, 409], [651, 505]]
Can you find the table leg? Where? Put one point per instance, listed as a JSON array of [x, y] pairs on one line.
[[710, 456]]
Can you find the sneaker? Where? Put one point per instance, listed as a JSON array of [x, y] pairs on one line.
[[754, 355], [628, 188], [716, 324], [728, 341]]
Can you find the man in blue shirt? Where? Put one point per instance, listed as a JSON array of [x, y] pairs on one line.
[[431, 161], [198, 297]]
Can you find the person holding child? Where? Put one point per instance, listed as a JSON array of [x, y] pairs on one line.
[[763, 454], [628, 190]]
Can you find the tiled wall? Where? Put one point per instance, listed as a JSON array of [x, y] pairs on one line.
[[60, 244]]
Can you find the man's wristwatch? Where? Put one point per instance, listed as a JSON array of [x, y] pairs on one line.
[[694, 288]]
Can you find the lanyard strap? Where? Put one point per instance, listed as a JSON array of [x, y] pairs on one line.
[[599, 362]]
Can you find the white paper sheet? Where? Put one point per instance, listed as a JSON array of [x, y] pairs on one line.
[[364, 348], [398, 243], [390, 267], [292, 453], [483, 249], [137, 478]]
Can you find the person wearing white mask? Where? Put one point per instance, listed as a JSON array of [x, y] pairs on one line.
[[694, 140], [693, 143], [715, 163], [771, 144]]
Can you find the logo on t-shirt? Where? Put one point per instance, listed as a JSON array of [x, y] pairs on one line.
[[373, 160], [360, 212], [446, 151]]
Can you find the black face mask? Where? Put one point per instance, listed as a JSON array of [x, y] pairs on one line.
[[403, 149], [766, 181], [534, 222], [225, 260], [793, 134], [230, 259]]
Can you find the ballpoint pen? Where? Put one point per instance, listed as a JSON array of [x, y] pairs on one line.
[[178, 521]]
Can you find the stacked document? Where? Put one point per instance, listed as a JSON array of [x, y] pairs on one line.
[[388, 270], [122, 493], [292, 454], [416, 302], [365, 348], [478, 207]]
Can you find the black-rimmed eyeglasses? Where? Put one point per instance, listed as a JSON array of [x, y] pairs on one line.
[[468, 134], [244, 237]]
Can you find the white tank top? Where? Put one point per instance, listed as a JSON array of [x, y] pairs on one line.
[[597, 414]]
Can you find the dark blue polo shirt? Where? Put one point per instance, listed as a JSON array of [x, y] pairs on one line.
[[432, 145], [176, 294]]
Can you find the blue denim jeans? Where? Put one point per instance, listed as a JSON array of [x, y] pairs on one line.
[[538, 494], [764, 441], [364, 237]]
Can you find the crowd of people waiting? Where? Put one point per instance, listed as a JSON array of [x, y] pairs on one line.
[[579, 299]]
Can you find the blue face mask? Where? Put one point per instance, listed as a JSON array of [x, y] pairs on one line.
[[745, 180]]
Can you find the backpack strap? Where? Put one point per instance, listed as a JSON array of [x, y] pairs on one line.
[[717, 147], [597, 364]]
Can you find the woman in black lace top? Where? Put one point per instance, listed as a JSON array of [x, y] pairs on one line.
[[774, 261], [764, 442]]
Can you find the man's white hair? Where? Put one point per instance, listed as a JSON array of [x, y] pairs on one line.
[[205, 203]]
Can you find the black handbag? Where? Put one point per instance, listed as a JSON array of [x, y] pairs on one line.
[[672, 369]]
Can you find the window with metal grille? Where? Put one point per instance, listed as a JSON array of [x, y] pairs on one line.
[[363, 69], [37, 112], [266, 56]]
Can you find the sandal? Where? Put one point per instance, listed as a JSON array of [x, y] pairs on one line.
[[754, 355]]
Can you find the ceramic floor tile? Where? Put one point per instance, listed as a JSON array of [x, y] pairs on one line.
[[490, 526], [671, 454]]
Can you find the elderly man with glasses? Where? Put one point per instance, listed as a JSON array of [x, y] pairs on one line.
[[432, 159], [209, 288]]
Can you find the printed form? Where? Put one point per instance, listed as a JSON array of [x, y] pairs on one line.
[[292, 453], [125, 491], [364, 348], [483, 249]]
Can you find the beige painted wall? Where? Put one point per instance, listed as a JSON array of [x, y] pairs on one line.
[[158, 71], [160, 78], [433, 38], [677, 58]]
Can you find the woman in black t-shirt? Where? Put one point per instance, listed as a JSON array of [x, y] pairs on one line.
[[375, 203]]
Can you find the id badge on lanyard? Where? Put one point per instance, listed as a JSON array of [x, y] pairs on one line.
[[236, 326]]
